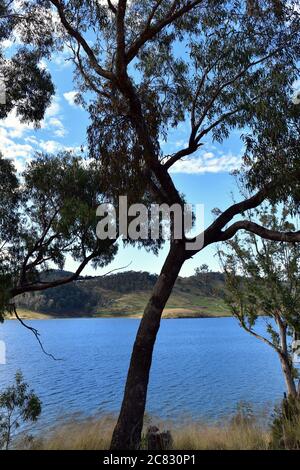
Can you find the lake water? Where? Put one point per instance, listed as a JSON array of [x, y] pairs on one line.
[[202, 367]]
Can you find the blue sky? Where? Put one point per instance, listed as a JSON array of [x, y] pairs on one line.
[[203, 178]]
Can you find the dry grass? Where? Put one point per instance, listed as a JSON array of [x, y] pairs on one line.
[[95, 434], [242, 436], [29, 315], [90, 434], [291, 435], [286, 425]]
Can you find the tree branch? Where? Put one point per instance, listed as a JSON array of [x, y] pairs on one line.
[[216, 123], [240, 207], [261, 231], [80, 39], [222, 87], [59, 282], [86, 77], [151, 31], [214, 232], [34, 331], [258, 336], [112, 7], [192, 147], [121, 56], [37, 245]]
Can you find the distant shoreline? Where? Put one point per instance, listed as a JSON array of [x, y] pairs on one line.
[[125, 295], [168, 314]]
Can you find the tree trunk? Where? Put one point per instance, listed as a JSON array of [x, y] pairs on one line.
[[288, 376], [285, 360], [127, 433]]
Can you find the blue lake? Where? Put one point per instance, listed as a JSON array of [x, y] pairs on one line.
[[201, 368]]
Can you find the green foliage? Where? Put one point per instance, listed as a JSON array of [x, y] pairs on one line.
[[28, 86], [285, 429], [65, 191], [203, 277], [235, 71], [263, 277], [9, 190], [202, 269], [70, 299], [129, 281], [17, 404], [235, 67], [47, 213]]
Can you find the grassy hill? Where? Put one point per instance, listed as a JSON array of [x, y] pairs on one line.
[[126, 294]]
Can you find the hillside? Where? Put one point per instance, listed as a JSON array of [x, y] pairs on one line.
[[126, 294]]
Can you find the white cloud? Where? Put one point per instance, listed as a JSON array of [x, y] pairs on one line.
[[6, 43], [12, 150], [180, 143], [208, 155], [14, 126], [53, 119], [70, 97], [59, 129], [43, 64], [207, 163], [54, 108], [296, 85], [62, 59], [50, 146], [18, 142], [31, 140], [11, 129]]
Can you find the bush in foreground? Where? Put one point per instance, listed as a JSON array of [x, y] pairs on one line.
[[17, 405], [286, 425]]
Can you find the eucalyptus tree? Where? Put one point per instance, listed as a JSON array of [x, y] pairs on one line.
[[48, 213], [263, 283], [25, 87], [17, 404], [235, 67]]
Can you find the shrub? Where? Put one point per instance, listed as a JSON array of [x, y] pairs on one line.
[[17, 404]]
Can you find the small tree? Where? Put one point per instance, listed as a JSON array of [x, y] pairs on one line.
[[202, 275], [263, 279], [17, 404], [48, 214]]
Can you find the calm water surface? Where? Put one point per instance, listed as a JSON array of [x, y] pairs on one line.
[[201, 368]]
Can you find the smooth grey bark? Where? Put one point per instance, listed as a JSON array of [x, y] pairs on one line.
[[285, 360], [288, 376]]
